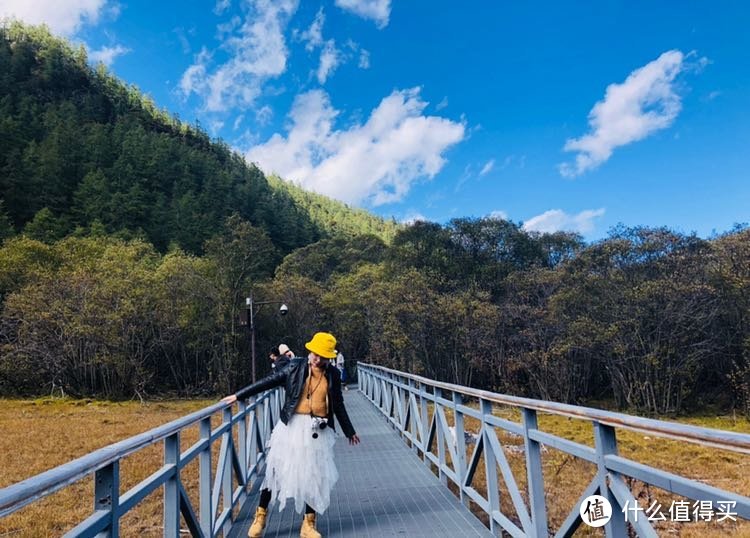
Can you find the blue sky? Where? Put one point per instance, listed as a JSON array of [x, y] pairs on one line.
[[574, 116]]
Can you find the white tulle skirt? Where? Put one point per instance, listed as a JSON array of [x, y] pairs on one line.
[[299, 466]]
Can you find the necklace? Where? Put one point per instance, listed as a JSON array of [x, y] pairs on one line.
[[310, 389]]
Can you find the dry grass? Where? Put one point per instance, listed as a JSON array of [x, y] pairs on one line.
[[566, 477], [38, 435]]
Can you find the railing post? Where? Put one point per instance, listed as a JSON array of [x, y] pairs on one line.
[[262, 410], [413, 413], [172, 487], [385, 395], [460, 465], [253, 448], [402, 406], [107, 496], [279, 402], [206, 510], [226, 478], [537, 502], [425, 424], [440, 434], [606, 444], [490, 467], [242, 441], [381, 397]]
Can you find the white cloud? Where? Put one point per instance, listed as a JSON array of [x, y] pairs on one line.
[[364, 59], [257, 52], [465, 176], [215, 126], [442, 104], [264, 115], [182, 37], [556, 220], [247, 138], [222, 6], [646, 102], [107, 55], [519, 161], [330, 58], [377, 10], [487, 168], [238, 121], [313, 36], [193, 79], [499, 215], [376, 161], [412, 217], [62, 16]]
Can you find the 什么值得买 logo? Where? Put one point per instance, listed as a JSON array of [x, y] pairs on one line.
[[596, 511]]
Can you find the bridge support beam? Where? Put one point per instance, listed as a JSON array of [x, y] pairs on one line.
[[106, 497], [537, 503], [490, 468], [206, 509], [605, 440], [172, 486], [460, 464]]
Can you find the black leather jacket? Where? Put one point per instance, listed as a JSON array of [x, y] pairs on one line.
[[293, 377]]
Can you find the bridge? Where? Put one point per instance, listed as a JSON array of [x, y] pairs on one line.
[[436, 460]]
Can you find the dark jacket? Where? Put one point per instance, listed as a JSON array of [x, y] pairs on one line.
[[293, 377], [282, 361]]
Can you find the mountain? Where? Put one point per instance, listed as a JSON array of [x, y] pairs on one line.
[[79, 149]]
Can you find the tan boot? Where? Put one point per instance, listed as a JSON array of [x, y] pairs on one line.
[[259, 523], [308, 527]]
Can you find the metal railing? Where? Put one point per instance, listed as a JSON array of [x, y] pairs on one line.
[[405, 400], [238, 461]]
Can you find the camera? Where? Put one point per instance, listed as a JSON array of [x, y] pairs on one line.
[[318, 423], [283, 310]]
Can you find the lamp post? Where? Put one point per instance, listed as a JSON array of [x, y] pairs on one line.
[[250, 321]]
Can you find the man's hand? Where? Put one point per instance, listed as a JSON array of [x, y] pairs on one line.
[[354, 439], [229, 399]]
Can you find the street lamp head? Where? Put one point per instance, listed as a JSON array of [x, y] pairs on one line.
[[283, 309]]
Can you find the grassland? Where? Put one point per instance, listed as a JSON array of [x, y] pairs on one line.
[[40, 434]]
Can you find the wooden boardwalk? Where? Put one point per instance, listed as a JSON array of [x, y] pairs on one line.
[[384, 489]]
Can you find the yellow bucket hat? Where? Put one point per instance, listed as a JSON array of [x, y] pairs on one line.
[[323, 344]]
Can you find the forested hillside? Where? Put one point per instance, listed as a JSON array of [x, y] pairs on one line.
[[130, 241], [80, 149], [336, 217]]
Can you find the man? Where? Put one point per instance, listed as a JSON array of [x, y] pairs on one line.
[[285, 355], [273, 355], [284, 351], [300, 462], [342, 370]]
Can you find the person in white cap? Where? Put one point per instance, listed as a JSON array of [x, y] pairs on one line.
[[340, 365], [285, 355], [284, 350]]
